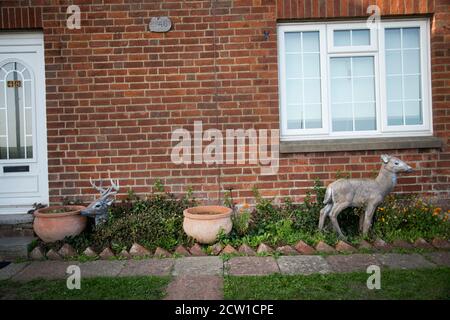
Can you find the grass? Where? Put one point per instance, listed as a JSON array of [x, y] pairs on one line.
[[119, 288], [395, 284]]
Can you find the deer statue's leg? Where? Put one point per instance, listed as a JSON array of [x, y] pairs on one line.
[[323, 214], [368, 215], [362, 217], [337, 208]]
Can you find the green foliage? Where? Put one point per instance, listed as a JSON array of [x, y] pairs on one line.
[[227, 199], [241, 221], [158, 186], [408, 218], [157, 221]]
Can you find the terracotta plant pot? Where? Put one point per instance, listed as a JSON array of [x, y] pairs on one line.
[[51, 226], [204, 223]]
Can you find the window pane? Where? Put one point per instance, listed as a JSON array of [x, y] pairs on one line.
[[403, 91], [394, 87], [294, 91], [2, 122], [341, 38], [392, 38], [395, 113], [293, 65], [313, 116], [3, 154], [341, 90], [412, 87], [294, 116], [311, 41], [26, 75], [342, 117], [292, 42], [2, 94], [394, 62], [27, 87], [363, 66], [29, 147], [28, 121], [311, 65], [365, 116], [340, 67], [311, 91], [411, 61], [303, 87], [360, 37], [411, 38], [413, 113], [15, 120], [353, 96], [363, 89]]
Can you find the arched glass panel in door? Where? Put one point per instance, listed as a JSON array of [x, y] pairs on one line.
[[16, 134]]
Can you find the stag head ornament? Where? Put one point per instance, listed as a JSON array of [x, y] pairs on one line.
[[98, 209]]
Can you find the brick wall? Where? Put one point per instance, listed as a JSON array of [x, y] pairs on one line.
[[115, 92]]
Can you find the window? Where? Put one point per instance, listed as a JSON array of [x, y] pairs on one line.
[[16, 138], [342, 80]]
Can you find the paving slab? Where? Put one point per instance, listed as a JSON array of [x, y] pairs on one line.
[[13, 248], [305, 264], [251, 266], [100, 268], [148, 267], [439, 258], [351, 263], [195, 288], [196, 266], [48, 270], [403, 261], [12, 269]]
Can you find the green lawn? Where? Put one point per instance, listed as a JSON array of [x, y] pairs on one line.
[[138, 288], [395, 284]]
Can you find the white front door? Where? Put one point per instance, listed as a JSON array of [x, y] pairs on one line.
[[23, 136]]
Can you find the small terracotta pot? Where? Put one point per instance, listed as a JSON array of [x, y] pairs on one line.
[[51, 227], [204, 223]]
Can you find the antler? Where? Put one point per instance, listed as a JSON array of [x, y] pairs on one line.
[[112, 190], [99, 189]]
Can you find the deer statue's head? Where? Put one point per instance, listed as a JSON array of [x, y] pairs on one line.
[[98, 209], [395, 165]]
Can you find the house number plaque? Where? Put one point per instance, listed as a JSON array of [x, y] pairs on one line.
[[14, 83], [160, 24]]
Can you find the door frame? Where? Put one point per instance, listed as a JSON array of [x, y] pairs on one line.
[[31, 42]]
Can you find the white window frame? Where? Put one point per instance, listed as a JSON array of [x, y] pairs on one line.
[[323, 86], [373, 46], [327, 50]]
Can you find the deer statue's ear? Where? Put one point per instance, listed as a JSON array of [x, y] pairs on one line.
[[385, 158]]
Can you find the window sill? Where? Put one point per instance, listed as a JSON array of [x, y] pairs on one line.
[[360, 144]]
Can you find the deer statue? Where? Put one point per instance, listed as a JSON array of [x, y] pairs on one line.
[[368, 193], [98, 209]]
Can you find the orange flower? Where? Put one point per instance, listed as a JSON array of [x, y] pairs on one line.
[[436, 211]]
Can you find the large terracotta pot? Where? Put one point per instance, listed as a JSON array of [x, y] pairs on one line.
[[52, 227], [204, 223]]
